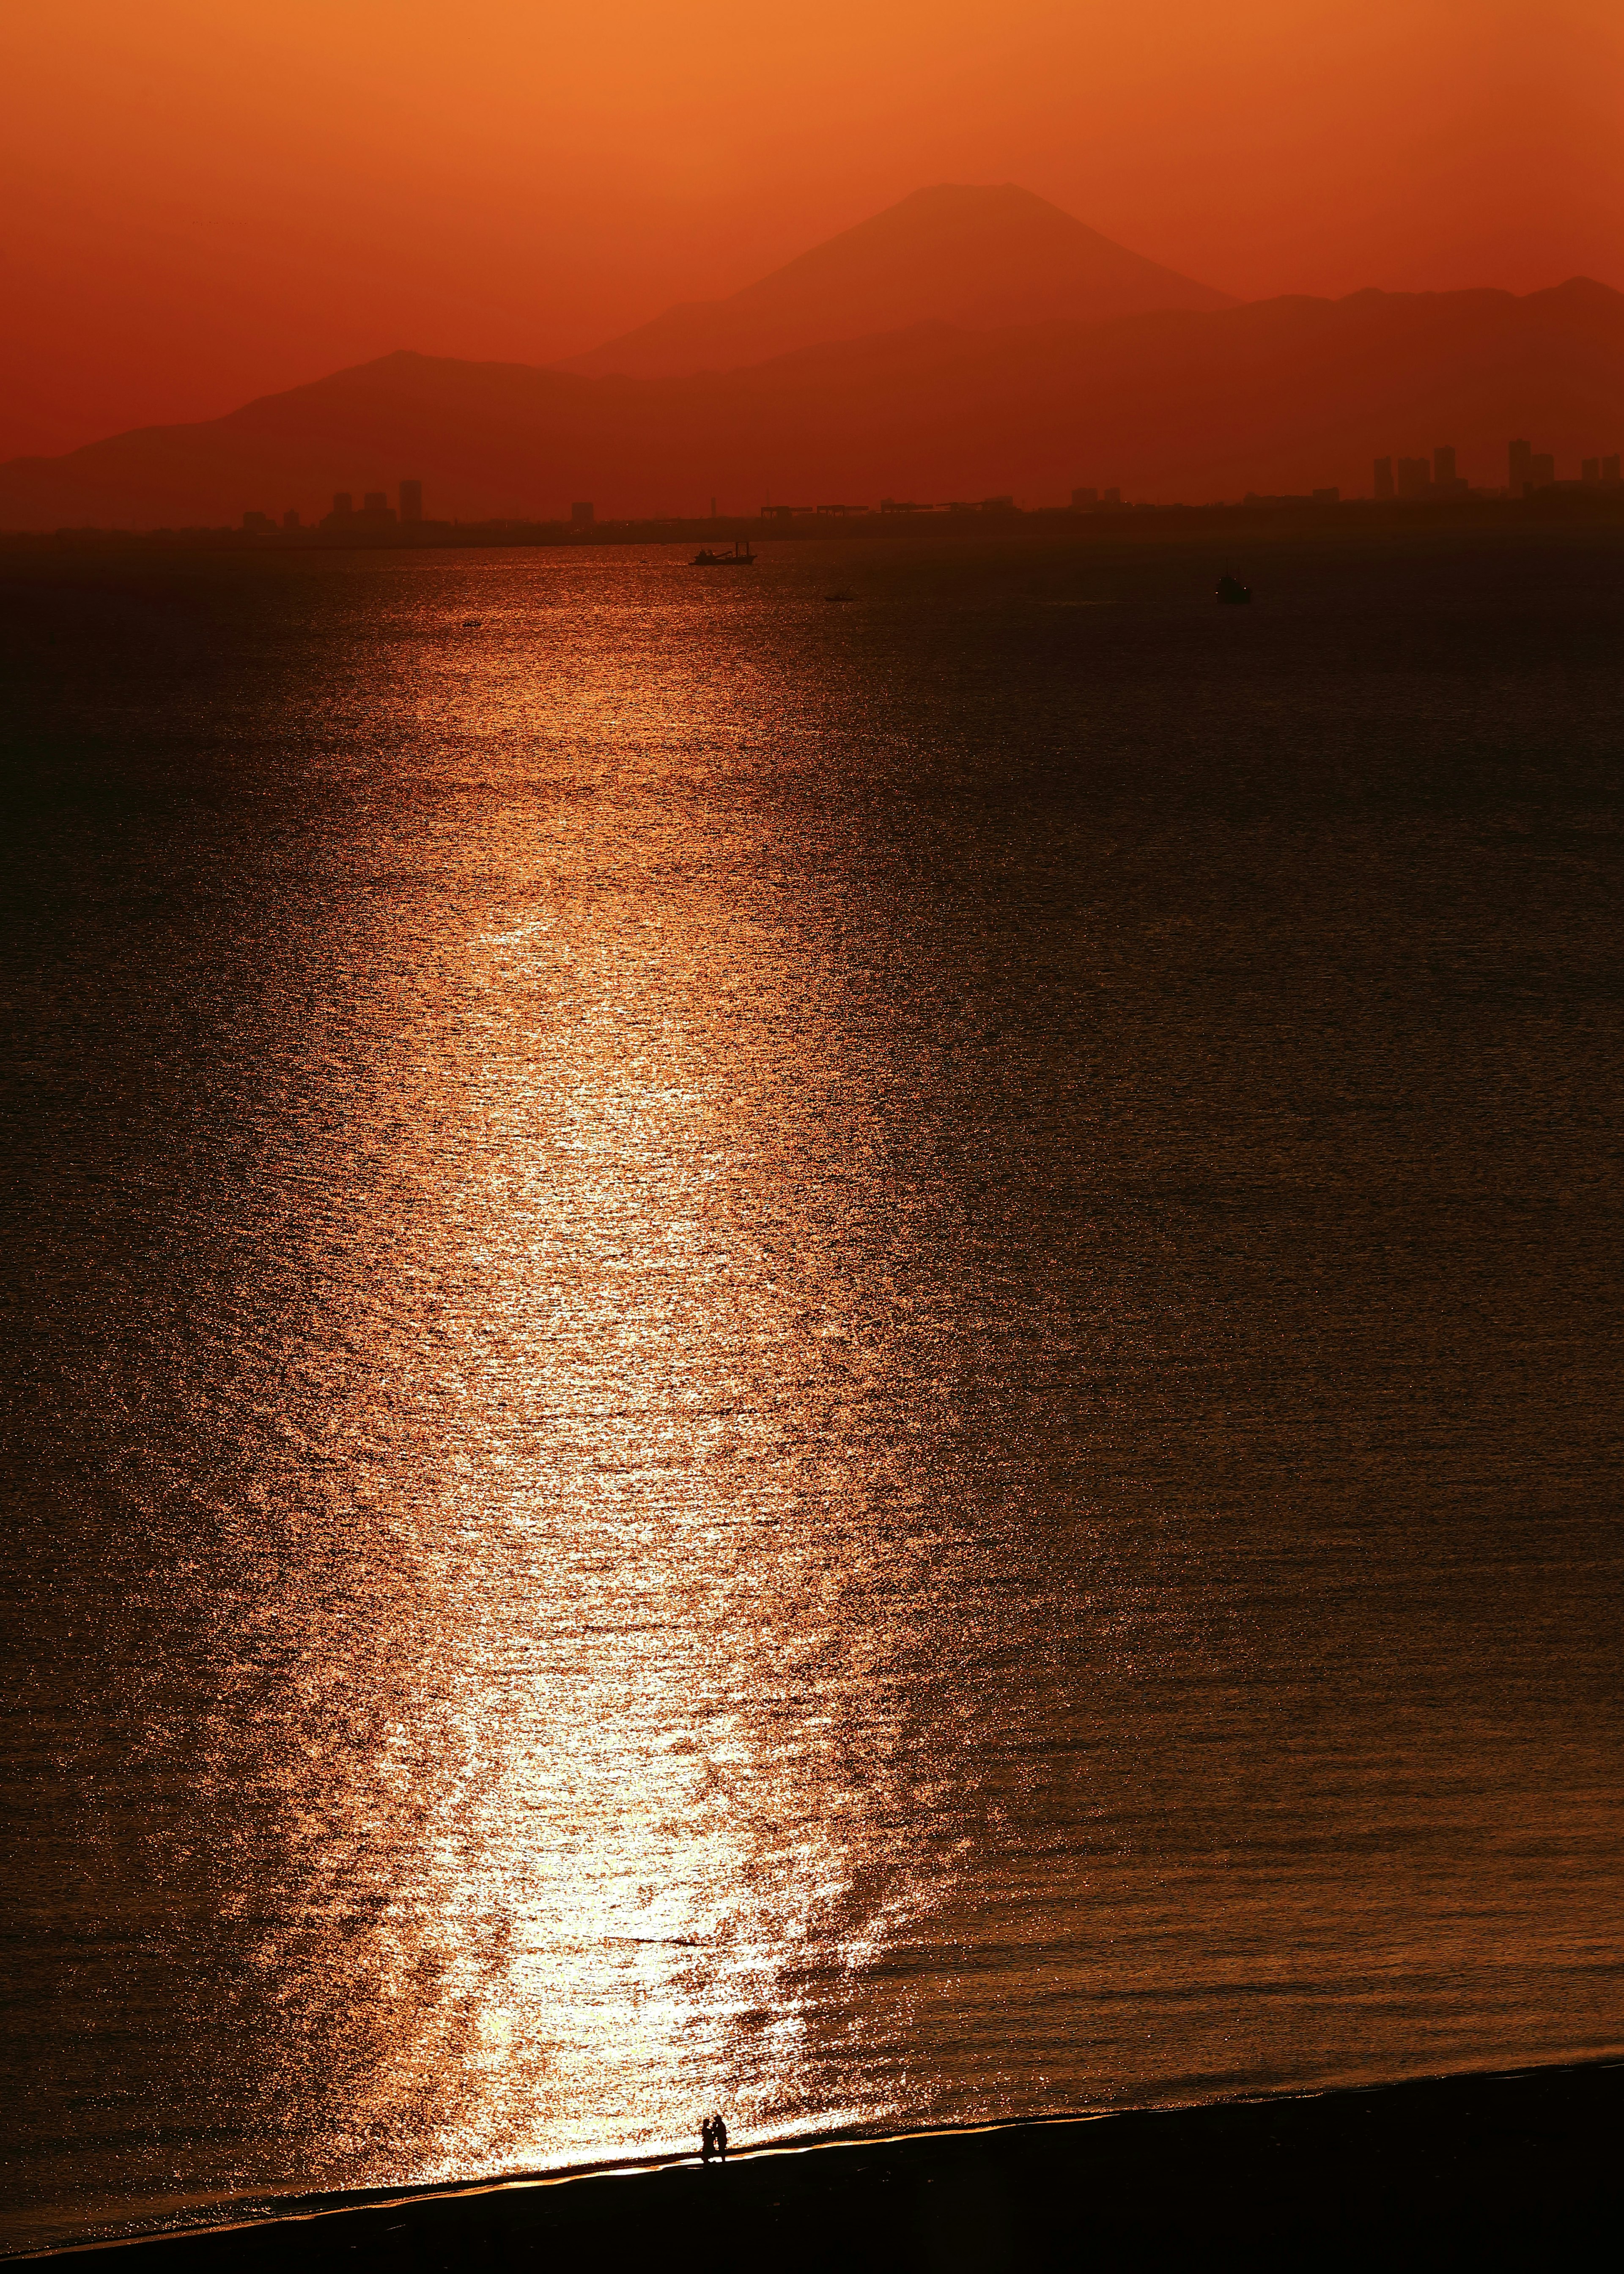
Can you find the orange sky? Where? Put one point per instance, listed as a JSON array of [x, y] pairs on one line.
[[208, 199]]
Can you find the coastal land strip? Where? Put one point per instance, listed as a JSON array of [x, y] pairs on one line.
[[1483, 2170], [1576, 509]]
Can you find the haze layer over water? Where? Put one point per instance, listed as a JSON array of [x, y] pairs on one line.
[[857, 1361]]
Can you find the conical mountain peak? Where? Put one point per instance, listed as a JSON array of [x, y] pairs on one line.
[[977, 256]]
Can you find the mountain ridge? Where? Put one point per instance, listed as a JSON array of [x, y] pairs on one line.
[[1281, 394]]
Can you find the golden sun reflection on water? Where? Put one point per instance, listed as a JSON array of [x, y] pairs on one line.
[[630, 1574]]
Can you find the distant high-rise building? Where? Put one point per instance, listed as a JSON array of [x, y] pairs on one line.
[[258, 522], [1610, 468], [373, 514], [1383, 478], [1591, 470], [581, 515], [1110, 497], [411, 500], [1519, 455], [290, 519], [1415, 477], [1445, 481], [1542, 469], [1081, 498]]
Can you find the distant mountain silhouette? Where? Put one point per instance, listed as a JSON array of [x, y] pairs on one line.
[[1278, 395], [978, 258]]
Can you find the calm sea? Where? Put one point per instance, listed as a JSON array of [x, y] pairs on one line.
[[854, 1360]]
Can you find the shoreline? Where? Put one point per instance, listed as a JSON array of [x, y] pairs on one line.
[[1479, 2161]]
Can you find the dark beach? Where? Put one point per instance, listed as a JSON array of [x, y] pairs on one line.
[[1518, 2168]]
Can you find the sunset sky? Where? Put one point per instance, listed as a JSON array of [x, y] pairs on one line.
[[208, 200]]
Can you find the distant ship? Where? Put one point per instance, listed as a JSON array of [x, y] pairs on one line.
[[705, 559], [1232, 593]]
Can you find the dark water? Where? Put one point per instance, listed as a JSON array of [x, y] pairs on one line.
[[854, 1360]]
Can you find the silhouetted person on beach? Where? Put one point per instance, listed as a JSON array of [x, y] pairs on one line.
[[718, 2133], [707, 2141]]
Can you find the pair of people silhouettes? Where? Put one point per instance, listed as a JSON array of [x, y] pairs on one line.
[[713, 2140]]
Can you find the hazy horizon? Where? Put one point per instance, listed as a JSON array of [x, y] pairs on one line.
[[290, 193]]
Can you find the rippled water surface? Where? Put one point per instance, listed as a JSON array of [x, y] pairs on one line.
[[854, 1360]]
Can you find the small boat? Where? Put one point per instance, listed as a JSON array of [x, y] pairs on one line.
[[840, 596], [737, 559], [1232, 593]]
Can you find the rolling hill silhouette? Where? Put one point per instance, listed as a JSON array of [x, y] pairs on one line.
[[981, 259], [1179, 403]]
